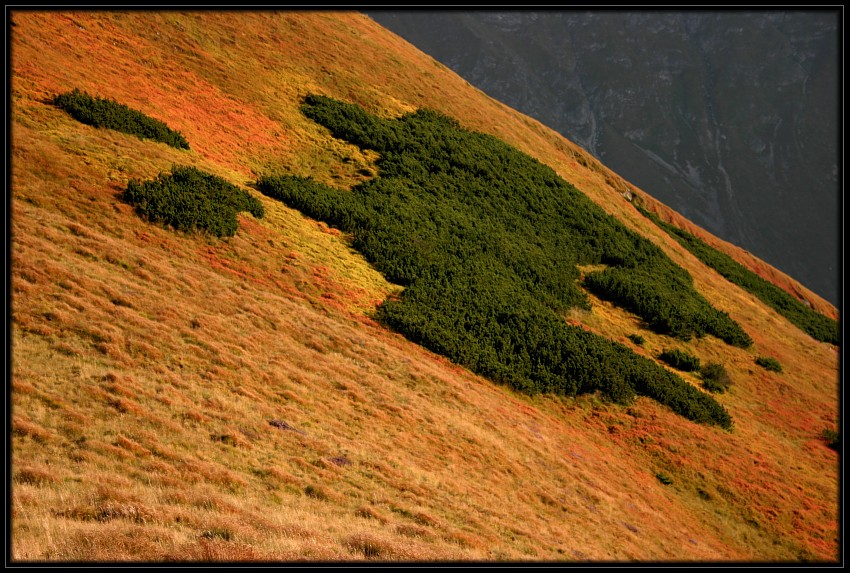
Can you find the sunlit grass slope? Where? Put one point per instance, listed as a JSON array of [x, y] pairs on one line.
[[181, 397]]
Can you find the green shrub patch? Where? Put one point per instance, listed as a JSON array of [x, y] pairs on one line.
[[680, 360], [715, 378], [832, 439], [188, 199], [637, 339], [104, 112], [768, 363], [818, 326]]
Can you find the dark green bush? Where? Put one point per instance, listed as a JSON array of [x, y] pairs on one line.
[[486, 241], [818, 326], [188, 199], [103, 112], [637, 339], [768, 363], [832, 439], [680, 360], [664, 296], [715, 378]]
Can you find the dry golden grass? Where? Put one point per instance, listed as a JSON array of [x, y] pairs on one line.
[[180, 398]]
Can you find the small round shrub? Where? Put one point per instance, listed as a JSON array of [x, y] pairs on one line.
[[715, 378], [832, 439], [637, 339], [768, 363], [680, 360]]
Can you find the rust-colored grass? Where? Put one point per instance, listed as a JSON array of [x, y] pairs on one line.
[[181, 398]]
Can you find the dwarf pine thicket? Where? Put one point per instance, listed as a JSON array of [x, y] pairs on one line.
[[769, 363], [715, 378], [104, 112], [189, 199], [818, 326], [486, 241], [680, 360]]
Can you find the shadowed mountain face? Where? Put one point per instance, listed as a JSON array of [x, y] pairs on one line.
[[731, 118]]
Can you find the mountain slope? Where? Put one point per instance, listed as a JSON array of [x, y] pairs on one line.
[[729, 117], [182, 397]]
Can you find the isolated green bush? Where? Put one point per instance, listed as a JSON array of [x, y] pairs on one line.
[[768, 363], [103, 112], [818, 326], [486, 241], [680, 360], [636, 338], [189, 199], [715, 378], [832, 439]]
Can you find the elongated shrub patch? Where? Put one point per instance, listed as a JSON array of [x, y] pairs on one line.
[[107, 113], [816, 325]]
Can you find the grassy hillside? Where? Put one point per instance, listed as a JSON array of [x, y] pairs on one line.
[[182, 397]]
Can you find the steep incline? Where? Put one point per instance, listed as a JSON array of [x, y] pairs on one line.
[[183, 397]]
